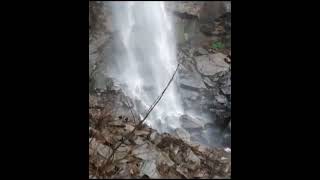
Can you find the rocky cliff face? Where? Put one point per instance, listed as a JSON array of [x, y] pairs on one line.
[[203, 31], [205, 76]]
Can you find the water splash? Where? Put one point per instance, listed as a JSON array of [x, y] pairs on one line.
[[148, 59]]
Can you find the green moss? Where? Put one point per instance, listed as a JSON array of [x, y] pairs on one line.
[[218, 45]]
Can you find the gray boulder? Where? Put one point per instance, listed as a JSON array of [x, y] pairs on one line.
[[188, 122], [212, 64], [189, 77]]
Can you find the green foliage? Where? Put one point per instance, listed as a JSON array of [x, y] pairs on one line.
[[217, 45]]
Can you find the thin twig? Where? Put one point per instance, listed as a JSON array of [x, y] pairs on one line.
[[148, 112]]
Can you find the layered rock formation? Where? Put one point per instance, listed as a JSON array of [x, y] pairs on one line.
[[205, 86]]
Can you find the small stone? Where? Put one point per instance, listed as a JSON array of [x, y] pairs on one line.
[[226, 90], [101, 149], [223, 158], [120, 153], [183, 134], [129, 127], [202, 51], [180, 169], [221, 99], [193, 160], [209, 82], [141, 132], [139, 141], [153, 135], [163, 158], [149, 168], [190, 78], [145, 152]]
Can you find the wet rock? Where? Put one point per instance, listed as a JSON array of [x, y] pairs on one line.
[[145, 152], [116, 124], [201, 61], [139, 141], [122, 151], [207, 29], [202, 51], [127, 101], [153, 135], [212, 64], [102, 150], [198, 137], [193, 160], [189, 78], [188, 122], [174, 149], [97, 13], [157, 139], [183, 134], [221, 99], [149, 168], [186, 8], [93, 177], [210, 12], [183, 171], [199, 174], [219, 59], [225, 83], [153, 155], [226, 90], [213, 136], [151, 152], [125, 170], [163, 158], [208, 82], [129, 127], [227, 139]]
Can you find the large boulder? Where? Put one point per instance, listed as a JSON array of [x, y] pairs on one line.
[[190, 78], [188, 122], [191, 8], [182, 134], [212, 64]]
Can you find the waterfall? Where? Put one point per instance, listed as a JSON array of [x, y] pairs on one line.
[[147, 60]]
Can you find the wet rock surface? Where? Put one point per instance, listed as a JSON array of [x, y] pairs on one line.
[[211, 94], [205, 87], [212, 64], [146, 153]]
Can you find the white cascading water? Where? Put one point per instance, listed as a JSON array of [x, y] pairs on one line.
[[148, 60]]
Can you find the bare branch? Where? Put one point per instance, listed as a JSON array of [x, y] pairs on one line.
[[148, 112]]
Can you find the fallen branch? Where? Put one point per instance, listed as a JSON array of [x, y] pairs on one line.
[[146, 116], [159, 98]]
